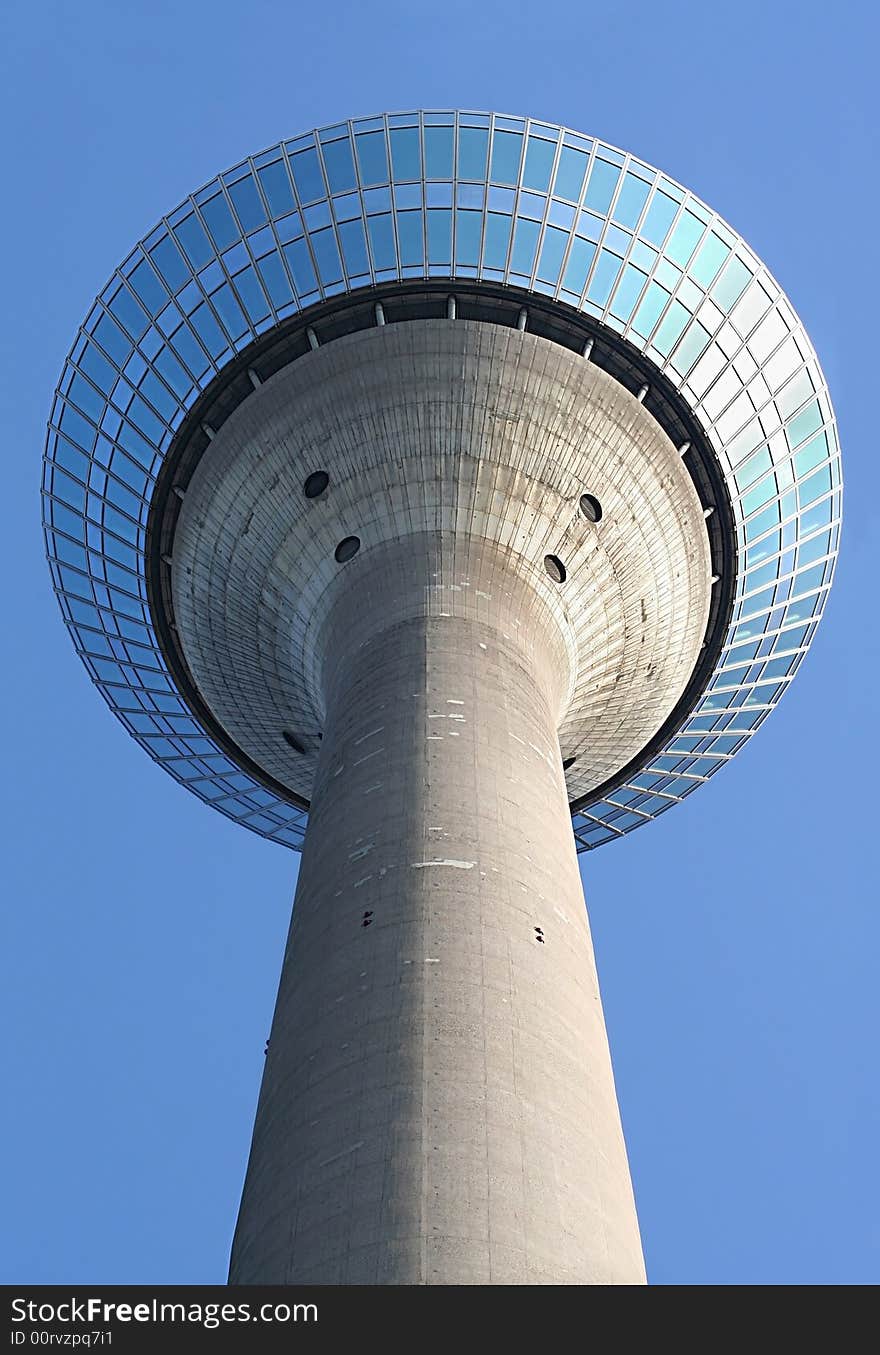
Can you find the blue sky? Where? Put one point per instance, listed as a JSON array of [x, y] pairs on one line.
[[142, 933]]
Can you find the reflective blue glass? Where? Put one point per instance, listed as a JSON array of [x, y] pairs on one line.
[[372, 159], [657, 276], [439, 152], [248, 207], [506, 152], [601, 185], [473, 145], [405, 154], [339, 163], [276, 186], [538, 164], [630, 200]]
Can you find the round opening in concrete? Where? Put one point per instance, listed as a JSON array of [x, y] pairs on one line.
[[347, 549], [555, 568], [315, 484], [568, 762], [590, 507], [292, 741]]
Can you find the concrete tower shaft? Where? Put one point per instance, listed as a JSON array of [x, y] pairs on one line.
[[438, 1104], [407, 647]]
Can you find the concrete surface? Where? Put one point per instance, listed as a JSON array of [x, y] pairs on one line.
[[438, 1104]]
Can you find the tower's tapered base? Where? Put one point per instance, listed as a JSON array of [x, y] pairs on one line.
[[438, 1105]]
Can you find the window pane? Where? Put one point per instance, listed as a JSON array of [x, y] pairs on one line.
[[468, 229], [302, 272], [276, 186], [579, 262], [354, 247], [371, 158], [439, 236], [600, 190], [194, 241], [473, 143], [409, 232], [438, 152], [497, 240], [224, 231], [247, 204], [631, 200], [339, 163], [405, 154], [307, 176], [570, 174], [506, 149], [382, 242], [525, 242], [539, 164], [659, 218], [552, 253]]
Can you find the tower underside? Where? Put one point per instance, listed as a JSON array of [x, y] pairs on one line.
[[415, 649]]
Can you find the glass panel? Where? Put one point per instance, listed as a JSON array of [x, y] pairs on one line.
[[129, 313], [167, 258], [525, 242], [650, 310], [659, 218], [731, 284], [468, 230], [580, 260], [539, 164], [711, 256], [148, 287], [604, 276], [326, 256], [276, 186], [218, 217], [506, 151], [372, 160], [684, 238], [354, 247], [440, 234], [570, 174], [339, 163], [275, 280], [439, 152], [300, 264], [671, 327], [817, 485], [815, 451], [409, 233], [473, 143], [248, 207], [405, 156], [196, 246], [229, 311], [382, 242], [497, 240], [248, 287], [600, 189], [803, 424], [627, 294], [631, 200], [552, 253], [307, 176]]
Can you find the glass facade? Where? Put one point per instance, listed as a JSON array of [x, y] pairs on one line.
[[443, 195]]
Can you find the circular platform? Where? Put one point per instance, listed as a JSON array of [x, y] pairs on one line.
[[440, 437], [539, 216]]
